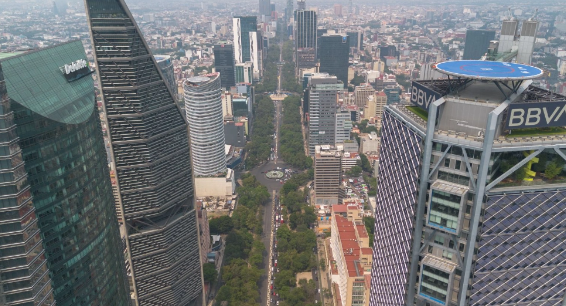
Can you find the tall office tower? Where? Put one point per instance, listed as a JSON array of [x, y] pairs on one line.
[[288, 11], [53, 140], [477, 43], [301, 5], [17, 207], [509, 32], [242, 26], [322, 98], [244, 73], [305, 39], [264, 8], [472, 208], [361, 94], [256, 54], [343, 126], [165, 64], [203, 104], [334, 56], [527, 40], [327, 175], [356, 39], [224, 63], [374, 106], [338, 10], [149, 144]]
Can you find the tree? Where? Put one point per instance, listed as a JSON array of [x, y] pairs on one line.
[[220, 225], [552, 170], [364, 163], [354, 171], [209, 272], [322, 265]]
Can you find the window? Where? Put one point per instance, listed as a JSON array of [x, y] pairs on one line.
[[439, 240], [447, 255], [444, 210], [447, 162], [434, 284], [458, 165]]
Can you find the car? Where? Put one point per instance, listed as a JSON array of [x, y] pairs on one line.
[[277, 302]]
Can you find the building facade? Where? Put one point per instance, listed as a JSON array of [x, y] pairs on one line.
[[361, 94], [224, 63], [57, 143], [305, 38], [327, 175], [241, 27], [343, 127], [265, 7], [149, 144], [477, 43], [322, 106], [203, 105], [245, 73], [165, 64], [473, 212], [334, 56]]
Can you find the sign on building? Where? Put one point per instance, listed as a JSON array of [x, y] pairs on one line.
[[536, 115], [423, 96]]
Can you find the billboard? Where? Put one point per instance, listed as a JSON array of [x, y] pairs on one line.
[[536, 115], [422, 96]]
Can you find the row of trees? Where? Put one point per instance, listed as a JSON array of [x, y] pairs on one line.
[[292, 145], [243, 254], [259, 148], [270, 72], [295, 244]]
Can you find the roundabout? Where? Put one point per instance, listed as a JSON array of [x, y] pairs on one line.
[[274, 174]]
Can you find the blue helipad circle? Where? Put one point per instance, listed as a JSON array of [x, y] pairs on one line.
[[485, 70]]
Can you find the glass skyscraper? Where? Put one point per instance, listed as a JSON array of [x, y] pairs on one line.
[[305, 38], [335, 55], [224, 63], [477, 43], [242, 26], [52, 130], [471, 203], [150, 148]]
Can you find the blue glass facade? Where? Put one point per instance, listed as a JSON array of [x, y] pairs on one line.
[[399, 169], [62, 146], [521, 257]]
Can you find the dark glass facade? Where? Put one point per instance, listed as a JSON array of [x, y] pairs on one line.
[[399, 170], [305, 38], [150, 148], [521, 253], [24, 275], [61, 144], [477, 43], [247, 24], [334, 56], [224, 63]]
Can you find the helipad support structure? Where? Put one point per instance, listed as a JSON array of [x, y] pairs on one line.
[[472, 191]]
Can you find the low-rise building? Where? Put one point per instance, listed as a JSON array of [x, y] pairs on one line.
[[352, 256], [222, 186]]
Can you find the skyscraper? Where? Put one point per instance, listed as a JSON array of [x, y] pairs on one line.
[[477, 43], [321, 95], [53, 140], [334, 56], [264, 8], [305, 38], [150, 147], [203, 104], [242, 26], [224, 63], [522, 46], [165, 64], [356, 39], [256, 54], [288, 11], [471, 211], [327, 175]]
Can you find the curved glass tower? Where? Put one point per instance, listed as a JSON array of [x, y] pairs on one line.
[[203, 104], [52, 101], [150, 148]]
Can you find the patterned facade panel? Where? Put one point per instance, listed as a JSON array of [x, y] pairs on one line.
[[149, 139], [521, 254], [399, 169], [170, 265]]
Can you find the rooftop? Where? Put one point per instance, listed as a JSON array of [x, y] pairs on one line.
[[490, 71], [10, 54]]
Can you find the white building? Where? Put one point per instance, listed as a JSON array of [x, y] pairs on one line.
[[203, 105]]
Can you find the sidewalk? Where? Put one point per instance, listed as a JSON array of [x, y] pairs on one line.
[[324, 278]]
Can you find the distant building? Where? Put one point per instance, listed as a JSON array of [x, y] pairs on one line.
[[165, 64], [343, 126], [338, 10], [235, 134], [244, 72], [374, 106], [224, 64], [349, 244], [242, 26], [388, 50], [369, 143], [477, 43], [305, 39], [256, 54], [203, 104], [393, 94], [522, 45], [356, 40], [327, 175], [227, 111], [321, 95], [361, 94], [265, 7], [334, 56]]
